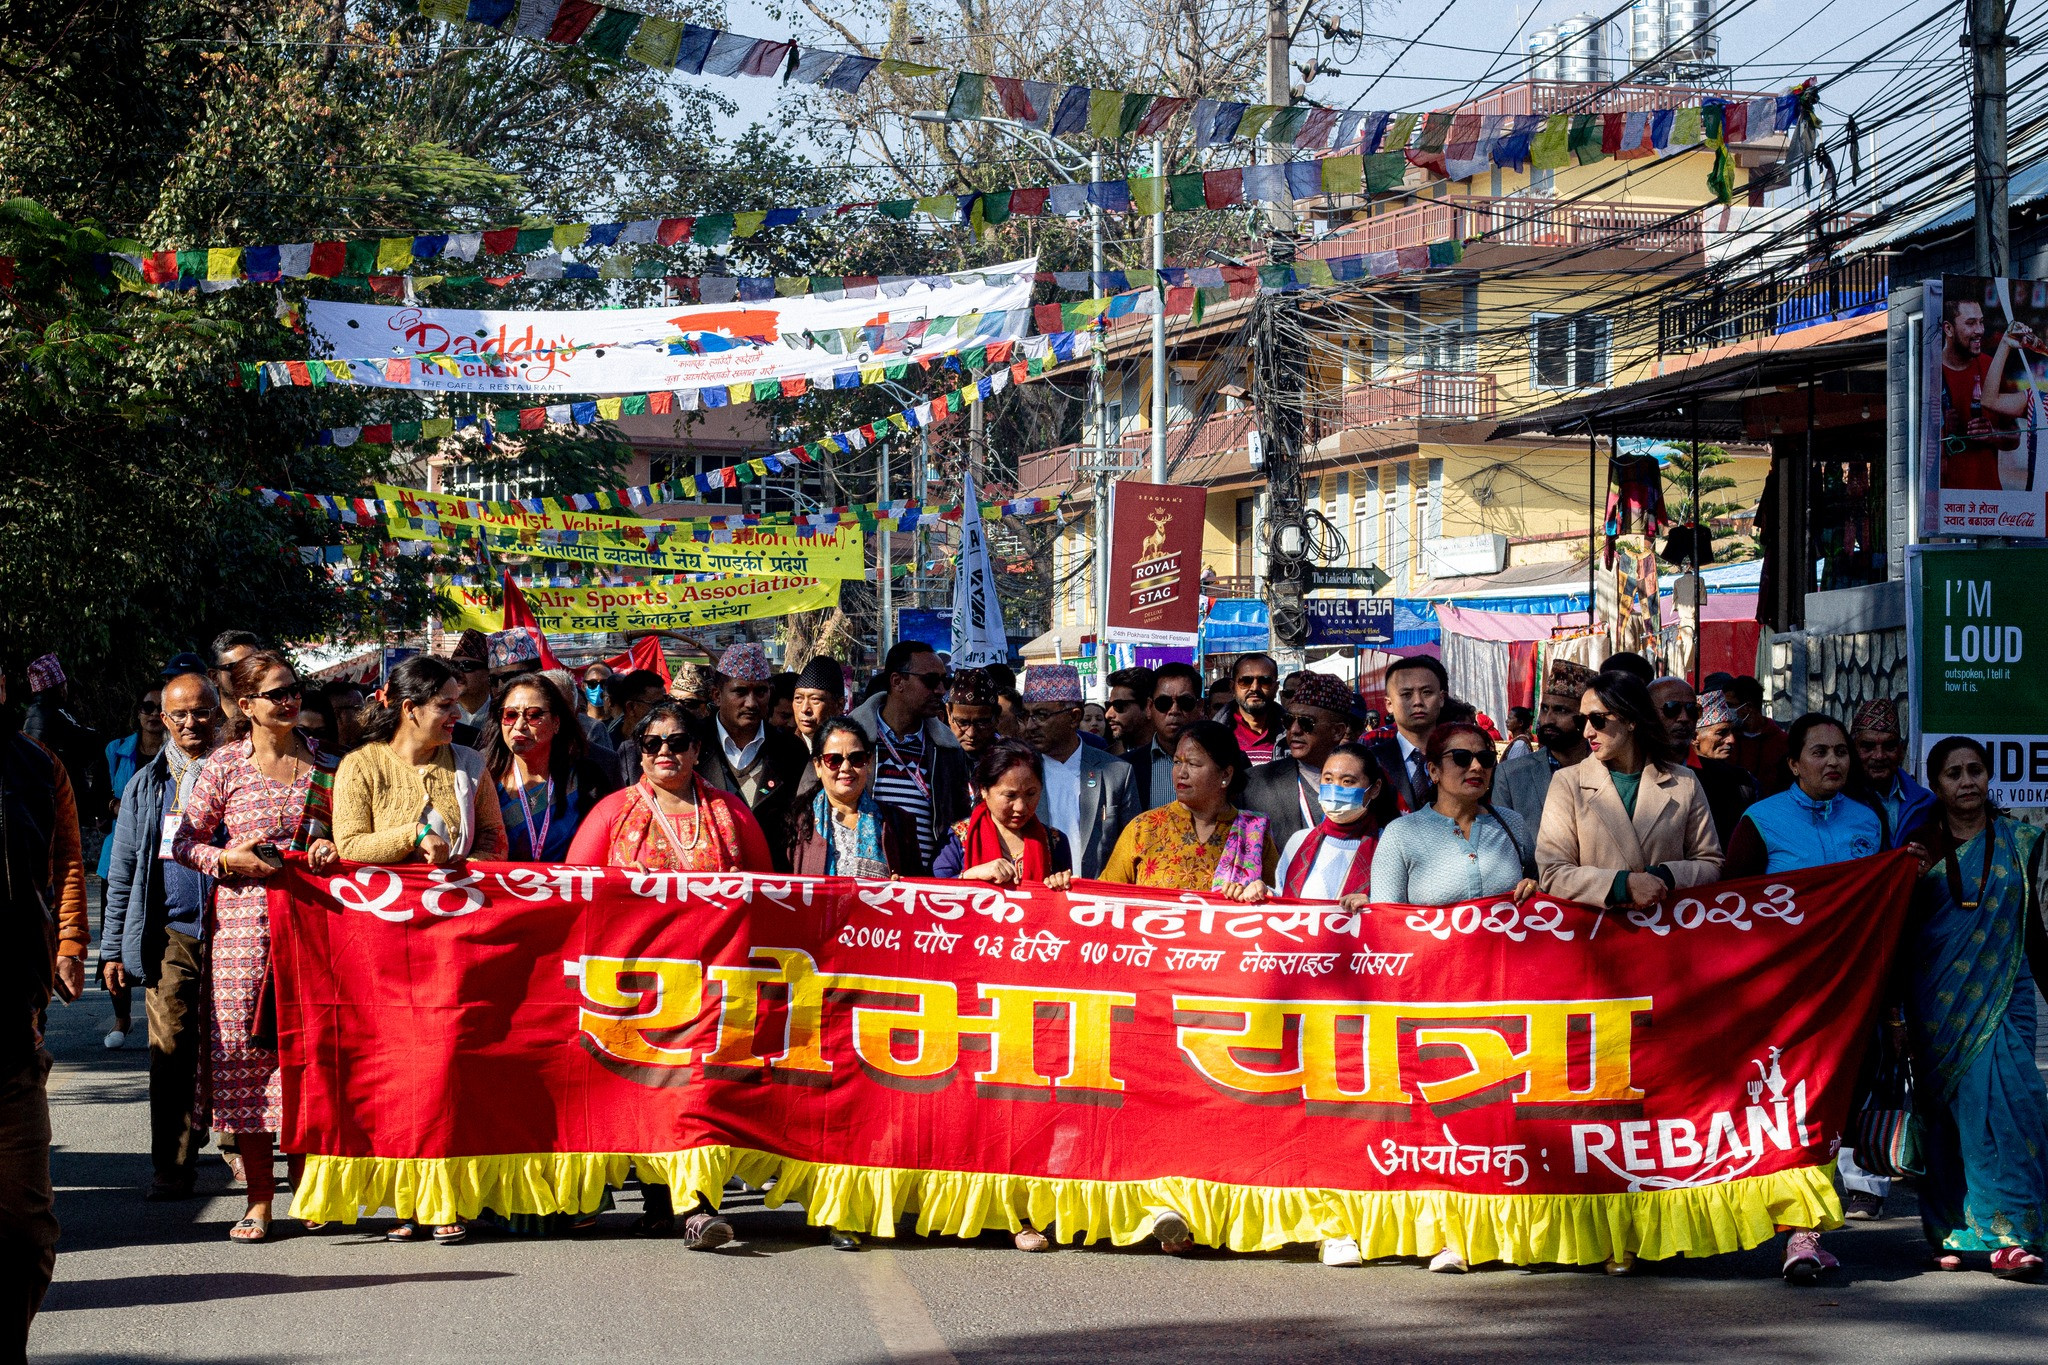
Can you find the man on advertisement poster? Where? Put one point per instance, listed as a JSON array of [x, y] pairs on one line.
[[1980, 397]]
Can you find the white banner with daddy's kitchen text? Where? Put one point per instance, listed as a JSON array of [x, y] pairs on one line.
[[630, 350]]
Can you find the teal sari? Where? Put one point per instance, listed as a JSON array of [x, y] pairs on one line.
[[1980, 1097]]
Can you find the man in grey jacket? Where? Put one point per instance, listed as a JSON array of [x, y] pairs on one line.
[[1089, 793], [154, 929], [1522, 784]]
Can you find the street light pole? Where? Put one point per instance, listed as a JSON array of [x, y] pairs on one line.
[[885, 588], [1097, 385], [1159, 324]]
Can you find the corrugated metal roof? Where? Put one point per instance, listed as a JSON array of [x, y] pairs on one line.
[[1958, 205]]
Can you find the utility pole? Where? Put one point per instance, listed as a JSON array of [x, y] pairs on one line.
[[1098, 398], [885, 631], [1280, 386], [1279, 42], [1159, 326], [1985, 37]]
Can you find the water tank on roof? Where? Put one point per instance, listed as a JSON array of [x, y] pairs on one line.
[[1646, 32], [1689, 31], [1544, 64], [1582, 49]]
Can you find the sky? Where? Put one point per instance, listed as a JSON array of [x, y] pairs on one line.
[[1473, 45]]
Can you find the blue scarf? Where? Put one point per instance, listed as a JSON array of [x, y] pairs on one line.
[[867, 859]]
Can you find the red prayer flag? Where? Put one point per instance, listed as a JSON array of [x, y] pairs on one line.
[[571, 19], [532, 419], [1610, 132], [673, 230], [501, 241], [1221, 189], [1010, 95], [390, 286], [1046, 318], [376, 434], [1412, 257], [1157, 113], [661, 403], [301, 377], [1179, 299], [1735, 121], [795, 388], [763, 58], [1029, 203], [999, 352], [160, 267], [329, 259]]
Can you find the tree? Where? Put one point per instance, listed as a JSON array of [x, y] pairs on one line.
[[1678, 497]]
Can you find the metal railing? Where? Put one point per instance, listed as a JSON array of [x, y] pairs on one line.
[[1579, 97], [1407, 395], [1060, 467], [1518, 220], [1730, 313]]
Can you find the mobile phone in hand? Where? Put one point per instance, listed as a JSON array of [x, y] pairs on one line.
[[269, 854]]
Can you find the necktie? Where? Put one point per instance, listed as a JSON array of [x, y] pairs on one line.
[[1418, 774]]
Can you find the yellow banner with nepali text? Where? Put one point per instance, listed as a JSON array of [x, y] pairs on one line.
[[649, 606]]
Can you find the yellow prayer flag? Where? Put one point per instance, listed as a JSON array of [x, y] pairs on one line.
[[569, 235], [1399, 132], [1313, 272], [742, 392], [749, 223], [896, 66], [1551, 148], [608, 408], [394, 255], [1343, 174], [872, 374], [1686, 129], [1148, 195], [223, 263], [615, 268], [1105, 113], [655, 42], [434, 427], [1256, 117], [942, 206], [447, 11]]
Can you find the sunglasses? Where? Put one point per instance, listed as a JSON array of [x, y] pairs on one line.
[[532, 715], [278, 696], [674, 743], [1674, 709], [1301, 720], [857, 760], [1465, 758], [1599, 720], [1124, 703], [937, 682], [1176, 703]]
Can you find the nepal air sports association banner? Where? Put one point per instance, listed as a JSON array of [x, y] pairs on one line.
[[648, 606], [628, 350], [1550, 1082]]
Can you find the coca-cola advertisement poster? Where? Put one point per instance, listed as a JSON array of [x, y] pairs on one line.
[[1982, 471], [1155, 558]]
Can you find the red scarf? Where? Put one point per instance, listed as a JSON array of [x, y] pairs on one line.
[[1305, 857], [981, 843]]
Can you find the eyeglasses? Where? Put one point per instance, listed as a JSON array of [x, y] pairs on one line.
[[1046, 713], [532, 715], [1674, 709], [1124, 703], [187, 717], [1178, 702], [676, 742], [834, 762], [937, 682], [1599, 720], [278, 696], [1465, 758], [1302, 720]]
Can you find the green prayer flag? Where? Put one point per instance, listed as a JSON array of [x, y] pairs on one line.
[[1286, 125], [744, 473], [633, 405], [404, 433], [649, 270], [765, 389], [533, 239], [1185, 192], [192, 264], [361, 258], [1275, 276], [899, 209], [1105, 113], [995, 207], [607, 38], [1255, 117], [1446, 253], [1585, 139], [1142, 279], [1133, 114], [1550, 149], [1148, 194], [970, 89], [895, 373], [1384, 171], [712, 229]]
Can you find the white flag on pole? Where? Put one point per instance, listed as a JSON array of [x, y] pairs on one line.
[[979, 638]]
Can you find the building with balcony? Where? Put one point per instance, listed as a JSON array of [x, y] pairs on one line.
[[1557, 297]]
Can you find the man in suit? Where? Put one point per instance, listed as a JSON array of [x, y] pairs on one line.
[[1089, 793], [743, 754], [1417, 688], [1522, 784], [1322, 714], [1176, 704]]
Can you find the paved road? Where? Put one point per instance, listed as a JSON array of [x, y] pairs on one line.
[[154, 1282]]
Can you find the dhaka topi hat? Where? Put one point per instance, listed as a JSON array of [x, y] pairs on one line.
[[1716, 709], [45, 673], [518, 647], [1325, 693], [822, 674], [1880, 716], [1052, 682], [1568, 679], [689, 681], [472, 651], [745, 662]]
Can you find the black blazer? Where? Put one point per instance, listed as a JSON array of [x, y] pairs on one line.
[[784, 758], [1398, 777]]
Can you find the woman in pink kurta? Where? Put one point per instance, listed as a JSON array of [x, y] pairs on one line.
[[268, 788]]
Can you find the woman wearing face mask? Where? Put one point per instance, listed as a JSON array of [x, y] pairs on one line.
[[592, 681], [1002, 840], [1333, 860], [1969, 1022]]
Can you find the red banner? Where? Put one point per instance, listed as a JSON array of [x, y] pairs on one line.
[[1155, 554], [1540, 1081]]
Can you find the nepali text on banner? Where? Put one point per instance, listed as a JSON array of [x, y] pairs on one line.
[[1539, 1081], [627, 350], [650, 606], [604, 538]]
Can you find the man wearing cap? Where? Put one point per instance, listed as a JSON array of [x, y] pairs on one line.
[[1322, 714], [187, 662], [1880, 749], [1730, 791], [472, 660], [691, 686], [154, 929], [919, 765], [50, 723], [741, 753], [43, 938], [1760, 742], [1089, 794], [973, 710], [1522, 784], [820, 694]]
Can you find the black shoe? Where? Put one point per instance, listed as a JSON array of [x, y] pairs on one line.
[[168, 1191], [842, 1241]]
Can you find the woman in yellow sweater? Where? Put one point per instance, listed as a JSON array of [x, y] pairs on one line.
[[409, 794]]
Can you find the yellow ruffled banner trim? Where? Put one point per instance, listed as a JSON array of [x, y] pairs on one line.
[[1521, 1229]]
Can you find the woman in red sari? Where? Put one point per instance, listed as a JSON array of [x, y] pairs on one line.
[[672, 821], [1003, 841]]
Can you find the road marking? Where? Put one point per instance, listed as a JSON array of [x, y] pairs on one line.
[[901, 1319]]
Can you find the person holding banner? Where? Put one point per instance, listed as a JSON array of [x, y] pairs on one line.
[[546, 783], [842, 831], [253, 799], [1459, 847], [1004, 841], [1969, 1021], [1332, 859], [672, 820], [1201, 840]]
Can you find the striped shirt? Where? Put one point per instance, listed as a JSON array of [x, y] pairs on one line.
[[903, 777]]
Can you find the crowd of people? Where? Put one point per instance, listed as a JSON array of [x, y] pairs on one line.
[[1617, 788]]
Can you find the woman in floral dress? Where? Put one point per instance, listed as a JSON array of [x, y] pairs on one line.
[[259, 796]]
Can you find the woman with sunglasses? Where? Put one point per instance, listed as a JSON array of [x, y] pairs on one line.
[[672, 820], [254, 799], [842, 831], [534, 750], [1460, 847], [1969, 1020]]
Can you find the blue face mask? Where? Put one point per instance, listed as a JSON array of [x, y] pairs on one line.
[[595, 691], [1340, 801]]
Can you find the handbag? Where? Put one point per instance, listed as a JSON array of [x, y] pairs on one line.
[[1885, 1132]]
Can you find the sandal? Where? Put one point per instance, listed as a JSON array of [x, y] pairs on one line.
[[448, 1234], [250, 1230], [1948, 1261], [402, 1232], [1031, 1239], [2015, 1263]]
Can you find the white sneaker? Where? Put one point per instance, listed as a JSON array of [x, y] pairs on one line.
[[115, 1039], [1448, 1262], [1341, 1251]]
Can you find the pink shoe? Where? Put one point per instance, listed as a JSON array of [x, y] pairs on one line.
[[2015, 1263], [1805, 1259]]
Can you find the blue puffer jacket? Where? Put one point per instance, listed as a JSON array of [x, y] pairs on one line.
[[1801, 832]]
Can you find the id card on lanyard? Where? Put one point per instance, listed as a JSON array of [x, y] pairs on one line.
[[174, 814]]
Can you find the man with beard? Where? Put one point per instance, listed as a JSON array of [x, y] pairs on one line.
[[1129, 712], [1980, 406], [1522, 784], [1730, 791]]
